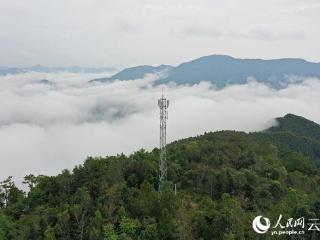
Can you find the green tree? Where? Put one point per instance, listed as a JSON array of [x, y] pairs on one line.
[[109, 233], [49, 234], [96, 226], [79, 210]]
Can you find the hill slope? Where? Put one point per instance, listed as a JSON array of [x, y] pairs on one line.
[[298, 125], [224, 180], [295, 133]]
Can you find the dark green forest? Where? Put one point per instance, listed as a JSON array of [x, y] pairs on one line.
[[224, 180]]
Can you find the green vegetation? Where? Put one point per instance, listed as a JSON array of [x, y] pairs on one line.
[[224, 180]]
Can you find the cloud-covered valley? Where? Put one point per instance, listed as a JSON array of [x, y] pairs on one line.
[[46, 126]]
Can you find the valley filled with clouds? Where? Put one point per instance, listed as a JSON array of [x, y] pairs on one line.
[[53, 121]]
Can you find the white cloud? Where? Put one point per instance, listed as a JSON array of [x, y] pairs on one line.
[[46, 128]]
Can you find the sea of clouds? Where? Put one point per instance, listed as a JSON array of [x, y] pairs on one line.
[[47, 126]]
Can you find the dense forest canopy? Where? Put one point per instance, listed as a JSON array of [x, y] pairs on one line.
[[224, 180]]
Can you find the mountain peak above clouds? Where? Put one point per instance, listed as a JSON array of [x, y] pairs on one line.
[[133, 73], [223, 70]]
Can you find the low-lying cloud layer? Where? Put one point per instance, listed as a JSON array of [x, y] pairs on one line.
[[46, 126]]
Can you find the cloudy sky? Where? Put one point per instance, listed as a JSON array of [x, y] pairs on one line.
[[124, 33]]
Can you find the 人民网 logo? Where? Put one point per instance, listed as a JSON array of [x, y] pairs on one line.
[[285, 226], [260, 227]]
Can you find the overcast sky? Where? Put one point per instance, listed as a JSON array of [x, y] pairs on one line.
[[123, 33]]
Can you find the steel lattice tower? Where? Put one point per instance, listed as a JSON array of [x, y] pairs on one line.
[[163, 104]]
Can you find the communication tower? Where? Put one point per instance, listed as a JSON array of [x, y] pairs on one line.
[[163, 104]]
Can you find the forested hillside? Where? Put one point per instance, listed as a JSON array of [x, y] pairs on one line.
[[295, 133], [224, 180]]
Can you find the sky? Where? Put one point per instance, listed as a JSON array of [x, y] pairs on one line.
[[45, 128], [123, 33]]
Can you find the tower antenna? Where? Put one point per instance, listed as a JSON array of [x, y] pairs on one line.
[[163, 104]]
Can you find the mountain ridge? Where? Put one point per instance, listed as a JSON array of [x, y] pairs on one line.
[[222, 70]]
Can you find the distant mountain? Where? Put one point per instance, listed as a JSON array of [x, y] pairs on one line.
[[224, 70], [134, 73], [40, 68], [5, 71]]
